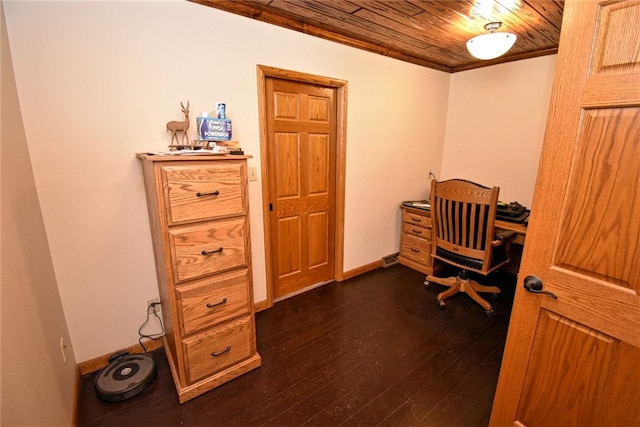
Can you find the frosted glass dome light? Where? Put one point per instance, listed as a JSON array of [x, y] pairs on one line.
[[491, 45]]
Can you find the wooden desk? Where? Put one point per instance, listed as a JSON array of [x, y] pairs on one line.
[[415, 242], [519, 228]]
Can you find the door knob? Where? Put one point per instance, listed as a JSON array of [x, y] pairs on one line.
[[534, 284]]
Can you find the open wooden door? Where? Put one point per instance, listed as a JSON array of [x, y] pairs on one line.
[[574, 360]]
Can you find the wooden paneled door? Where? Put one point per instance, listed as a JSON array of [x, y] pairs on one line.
[[301, 121], [572, 355]]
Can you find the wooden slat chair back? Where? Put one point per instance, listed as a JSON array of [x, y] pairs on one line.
[[463, 215]]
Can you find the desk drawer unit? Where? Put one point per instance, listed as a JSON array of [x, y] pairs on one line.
[[198, 212], [417, 219], [416, 230], [416, 249], [415, 241]]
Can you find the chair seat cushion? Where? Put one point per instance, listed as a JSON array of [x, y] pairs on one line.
[[499, 256]]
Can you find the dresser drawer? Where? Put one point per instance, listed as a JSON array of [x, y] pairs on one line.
[[201, 192], [218, 348], [213, 300], [416, 230], [206, 248], [416, 249], [413, 218]]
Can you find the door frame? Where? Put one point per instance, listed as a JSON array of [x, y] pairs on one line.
[[264, 72]]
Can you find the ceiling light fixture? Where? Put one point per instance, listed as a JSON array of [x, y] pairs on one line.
[[491, 45]]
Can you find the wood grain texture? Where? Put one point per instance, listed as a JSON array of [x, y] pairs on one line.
[[582, 241], [302, 146], [203, 249], [209, 302], [415, 241], [428, 33], [198, 211], [209, 192], [218, 348], [373, 350], [264, 74]]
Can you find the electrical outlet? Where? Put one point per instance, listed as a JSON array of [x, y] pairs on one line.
[[63, 346], [157, 307]]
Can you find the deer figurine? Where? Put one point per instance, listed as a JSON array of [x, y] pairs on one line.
[[175, 126]]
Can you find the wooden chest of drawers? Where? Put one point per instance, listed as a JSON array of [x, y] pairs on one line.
[[199, 215], [415, 241]]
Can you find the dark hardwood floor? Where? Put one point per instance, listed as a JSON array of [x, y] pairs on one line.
[[373, 350]]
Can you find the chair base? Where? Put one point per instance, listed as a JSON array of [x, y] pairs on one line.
[[462, 283]]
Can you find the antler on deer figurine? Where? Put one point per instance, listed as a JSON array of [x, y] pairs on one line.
[[175, 126]]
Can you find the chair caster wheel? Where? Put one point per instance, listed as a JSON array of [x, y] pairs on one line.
[[490, 313], [426, 283], [441, 304]]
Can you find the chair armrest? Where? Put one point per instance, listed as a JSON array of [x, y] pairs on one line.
[[502, 237]]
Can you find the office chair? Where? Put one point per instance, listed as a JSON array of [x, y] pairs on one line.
[[462, 216]]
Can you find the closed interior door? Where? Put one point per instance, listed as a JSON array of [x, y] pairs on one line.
[[301, 155]]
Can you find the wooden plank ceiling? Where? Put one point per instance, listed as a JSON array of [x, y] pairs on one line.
[[428, 33]]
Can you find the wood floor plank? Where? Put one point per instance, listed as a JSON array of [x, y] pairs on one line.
[[401, 390], [374, 355], [373, 350]]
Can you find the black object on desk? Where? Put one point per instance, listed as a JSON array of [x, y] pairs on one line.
[[512, 212]]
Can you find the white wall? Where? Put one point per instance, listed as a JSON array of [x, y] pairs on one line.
[[37, 386], [495, 125], [97, 81]]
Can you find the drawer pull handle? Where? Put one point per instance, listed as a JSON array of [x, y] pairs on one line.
[[217, 251], [215, 304], [213, 193], [416, 231], [220, 353], [415, 250], [416, 220]]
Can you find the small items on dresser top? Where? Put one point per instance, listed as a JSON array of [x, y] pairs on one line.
[[188, 152], [212, 128], [213, 148]]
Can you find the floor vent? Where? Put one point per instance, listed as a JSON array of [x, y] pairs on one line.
[[390, 260]]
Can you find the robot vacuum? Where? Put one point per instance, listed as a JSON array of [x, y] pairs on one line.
[[126, 375]]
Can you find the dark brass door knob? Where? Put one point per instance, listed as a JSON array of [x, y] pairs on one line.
[[534, 285]]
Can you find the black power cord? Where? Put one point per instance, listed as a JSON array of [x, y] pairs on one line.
[[156, 336]]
